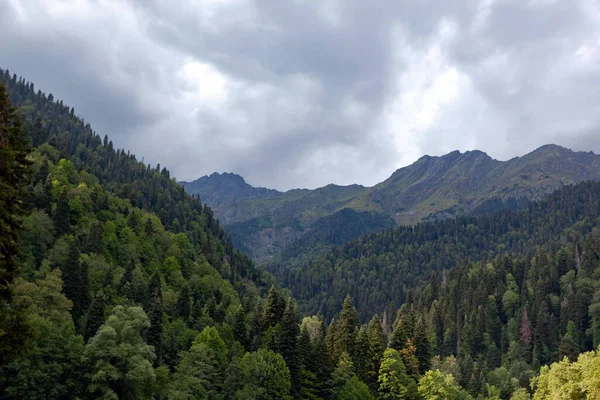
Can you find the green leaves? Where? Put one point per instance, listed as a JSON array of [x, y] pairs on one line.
[[119, 359]]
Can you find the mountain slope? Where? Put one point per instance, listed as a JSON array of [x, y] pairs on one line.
[[431, 188], [380, 269]]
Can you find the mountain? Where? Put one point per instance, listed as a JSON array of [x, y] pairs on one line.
[[264, 223], [225, 190]]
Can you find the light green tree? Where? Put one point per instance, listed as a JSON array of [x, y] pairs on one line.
[[263, 376], [394, 382], [354, 389], [120, 360], [436, 385]]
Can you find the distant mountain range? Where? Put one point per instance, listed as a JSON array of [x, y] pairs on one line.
[[265, 222]]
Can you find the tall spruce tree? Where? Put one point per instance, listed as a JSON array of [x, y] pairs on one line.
[[73, 281], [62, 214], [95, 317], [14, 175], [273, 310], [346, 328], [289, 349], [377, 345]]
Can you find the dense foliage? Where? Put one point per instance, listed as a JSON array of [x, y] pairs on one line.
[[117, 284], [379, 270]]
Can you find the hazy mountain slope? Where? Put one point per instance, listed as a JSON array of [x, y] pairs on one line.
[[264, 222], [224, 190]]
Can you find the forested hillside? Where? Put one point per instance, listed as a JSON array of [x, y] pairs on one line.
[[116, 284], [379, 270]]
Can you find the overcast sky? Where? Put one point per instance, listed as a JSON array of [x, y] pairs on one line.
[[302, 93]]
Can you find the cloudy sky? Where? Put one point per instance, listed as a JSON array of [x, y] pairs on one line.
[[302, 93]]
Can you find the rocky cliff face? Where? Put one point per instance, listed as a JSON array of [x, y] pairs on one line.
[[264, 222]]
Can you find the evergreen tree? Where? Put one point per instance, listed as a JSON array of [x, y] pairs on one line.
[[184, 304], [273, 310], [377, 345], [394, 382], [423, 347], [128, 275], [95, 238], [15, 170], [240, 330], [95, 317], [289, 349], [73, 281], [153, 335], [256, 326], [62, 214], [346, 328]]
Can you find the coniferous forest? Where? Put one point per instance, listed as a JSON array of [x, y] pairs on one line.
[[117, 284]]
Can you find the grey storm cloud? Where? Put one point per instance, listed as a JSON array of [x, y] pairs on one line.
[[292, 93]]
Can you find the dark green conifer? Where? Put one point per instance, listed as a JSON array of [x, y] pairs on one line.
[[289, 349], [95, 317], [62, 216]]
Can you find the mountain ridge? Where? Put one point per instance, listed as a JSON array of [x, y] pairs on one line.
[[266, 221]]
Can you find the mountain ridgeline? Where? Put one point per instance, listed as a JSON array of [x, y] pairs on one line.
[[265, 222]]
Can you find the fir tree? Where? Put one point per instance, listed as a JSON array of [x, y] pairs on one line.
[[95, 317], [184, 304], [289, 345], [14, 175], [62, 216], [423, 347], [377, 345], [72, 278], [240, 330], [346, 328], [273, 310]]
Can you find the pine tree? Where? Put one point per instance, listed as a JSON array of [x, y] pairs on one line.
[[240, 330], [184, 304], [72, 278], [346, 328], [62, 216], [423, 347], [256, 326], [95, 238], [84, 288], [377, 347], [361, 354], [14, 175], [95, 317], [38, 136], [289, 345], [127, 275], [153, 335], [273, 310]]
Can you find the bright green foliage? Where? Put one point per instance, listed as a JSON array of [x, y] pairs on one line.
[[118, 358], [394, 382], [263, 376], [51, 367], [570, 380], [520, 394], [353, 389], [343, 372], [436, 385]]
